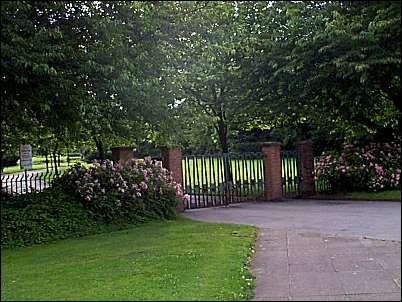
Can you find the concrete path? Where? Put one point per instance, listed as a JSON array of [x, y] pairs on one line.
[[303, 266], [379, 219], [316, 250]]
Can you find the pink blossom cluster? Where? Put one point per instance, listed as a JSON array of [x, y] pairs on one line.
[[123, 183], [373, 167]]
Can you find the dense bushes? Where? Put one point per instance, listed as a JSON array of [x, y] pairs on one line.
[[36, 218], [136, 190], [375, 167], [9, 158], [85, 200]]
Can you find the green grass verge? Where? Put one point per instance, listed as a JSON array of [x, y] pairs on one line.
[[172, 260], [393, 194]]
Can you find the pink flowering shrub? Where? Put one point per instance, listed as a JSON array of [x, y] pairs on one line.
[[137, 190], [375, 167]]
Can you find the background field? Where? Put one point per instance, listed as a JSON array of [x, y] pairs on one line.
[[210, 171], [39, 163]]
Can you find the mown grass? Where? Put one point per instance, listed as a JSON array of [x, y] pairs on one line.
[[39, 162], [172, 260], [392, 194]]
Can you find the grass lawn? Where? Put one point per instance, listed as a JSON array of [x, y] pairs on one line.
[[394, 194], [39, 162], [172, 260]]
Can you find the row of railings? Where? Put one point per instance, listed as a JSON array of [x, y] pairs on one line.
[[220, 179], [27, 182], [290, 169], [321, 185], [217, 179]]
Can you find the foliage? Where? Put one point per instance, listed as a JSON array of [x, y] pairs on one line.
[[374, 167], [285, 67], [70, 73], [36, 218], [9, 159], [136, 190], [205, 74], [333, 65], [87, 200], [196, 73]]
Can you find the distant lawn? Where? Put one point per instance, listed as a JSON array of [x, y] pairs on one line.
[[210, 171], [39, 162], [14, 169], [394, 194], [173, 260]]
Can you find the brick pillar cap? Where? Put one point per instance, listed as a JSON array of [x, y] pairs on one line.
[[305, 142], [123, 148], [270, 144], [308, 141], [171, 147]]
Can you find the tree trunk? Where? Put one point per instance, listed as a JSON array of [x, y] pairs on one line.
[[222, 134], [55, 160], [223, 140], [100, 150], [47, 162], [1, 162], [68, 158], [397, 103]]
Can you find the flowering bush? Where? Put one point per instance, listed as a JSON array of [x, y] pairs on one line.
[[136, 190], [374, 167]]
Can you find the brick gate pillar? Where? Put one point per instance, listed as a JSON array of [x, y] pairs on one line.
[[272, 170], [122, 154], [171, 160], [306, 160]]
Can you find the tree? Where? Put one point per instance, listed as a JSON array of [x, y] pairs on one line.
[[206, 75], [330, 64], [79, 71]]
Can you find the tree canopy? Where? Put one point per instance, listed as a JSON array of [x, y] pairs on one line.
[[201, 74]]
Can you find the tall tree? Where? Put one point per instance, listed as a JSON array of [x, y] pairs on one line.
[[333, 64]]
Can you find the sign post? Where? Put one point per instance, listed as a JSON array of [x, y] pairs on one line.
[[26, 156], [26, 161]]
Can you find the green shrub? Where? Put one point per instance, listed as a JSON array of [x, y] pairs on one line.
[[375, 167], [9, 158], [86, 201], [136, 191], [41, 217]]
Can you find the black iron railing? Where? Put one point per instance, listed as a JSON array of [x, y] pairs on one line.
[[221, 179], [27, 181], [290, 170], [321, 185]]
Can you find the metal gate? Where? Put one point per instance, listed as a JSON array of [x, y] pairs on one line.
[[221, 179], [291, 180]]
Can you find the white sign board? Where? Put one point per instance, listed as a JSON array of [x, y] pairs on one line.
[[26, 156]]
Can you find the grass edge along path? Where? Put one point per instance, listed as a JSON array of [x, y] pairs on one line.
[[180, 259], [385, 195]]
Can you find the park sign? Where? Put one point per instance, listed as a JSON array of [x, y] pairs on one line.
[[26, 156]]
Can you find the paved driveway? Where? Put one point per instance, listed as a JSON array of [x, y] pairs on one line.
[[317, 250], [378, 219]]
